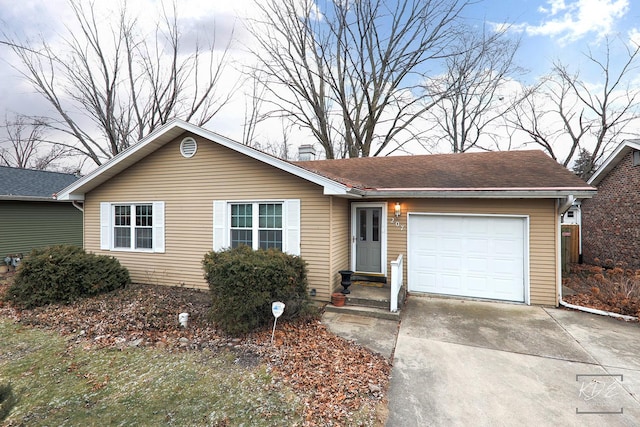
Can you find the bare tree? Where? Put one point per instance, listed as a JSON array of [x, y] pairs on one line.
[[253, 103], [566, 115], [281, 146], [109, 76], [25, 145], [353, 72], [474, 81]]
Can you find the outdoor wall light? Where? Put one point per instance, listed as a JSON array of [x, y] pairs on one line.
[[397, 210]]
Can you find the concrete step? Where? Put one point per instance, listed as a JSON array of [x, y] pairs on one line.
[[371, 296], [368, 301], [378, 313]]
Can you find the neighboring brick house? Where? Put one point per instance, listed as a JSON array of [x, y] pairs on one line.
[[611, 219]]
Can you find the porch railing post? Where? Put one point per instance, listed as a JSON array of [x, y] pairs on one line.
[[396, 282]]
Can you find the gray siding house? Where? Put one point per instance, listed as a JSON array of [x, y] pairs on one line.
[[30, 215]]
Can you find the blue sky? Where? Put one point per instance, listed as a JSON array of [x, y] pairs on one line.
[[561, 29]]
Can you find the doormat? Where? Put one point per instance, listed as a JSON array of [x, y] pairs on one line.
[[367, 283]]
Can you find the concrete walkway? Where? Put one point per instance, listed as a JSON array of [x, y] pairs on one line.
[[491, 364], [376, 334]]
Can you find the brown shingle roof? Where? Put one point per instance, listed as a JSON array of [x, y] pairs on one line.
[[486, 170]]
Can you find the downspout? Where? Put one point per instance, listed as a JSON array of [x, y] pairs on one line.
[[559, 250], [77, 206], [566, 204], [579, 206]]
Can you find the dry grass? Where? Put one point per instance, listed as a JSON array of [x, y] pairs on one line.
[[615, 289], [123, 359]]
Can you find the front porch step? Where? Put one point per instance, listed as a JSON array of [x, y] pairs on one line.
[[378, 313], [369, 296], [375, 298]]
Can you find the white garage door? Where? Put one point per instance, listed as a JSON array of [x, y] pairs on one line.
[[465, 255]]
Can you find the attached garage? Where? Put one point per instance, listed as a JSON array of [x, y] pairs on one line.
[[478, 256]]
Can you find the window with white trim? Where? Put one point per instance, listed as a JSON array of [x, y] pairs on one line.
[[132, 226], [258, 224], [264, 233]]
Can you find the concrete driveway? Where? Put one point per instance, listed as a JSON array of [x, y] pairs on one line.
[[492, 364]]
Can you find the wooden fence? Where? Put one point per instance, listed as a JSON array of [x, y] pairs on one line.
[[570, 244]]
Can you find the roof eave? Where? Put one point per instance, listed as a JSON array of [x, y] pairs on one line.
[[28, 198], [169, 132], [613, 159], [555, 193]]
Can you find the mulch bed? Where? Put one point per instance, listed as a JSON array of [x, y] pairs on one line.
[[335, 377]]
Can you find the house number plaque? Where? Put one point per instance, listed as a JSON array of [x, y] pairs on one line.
[[393, 220]]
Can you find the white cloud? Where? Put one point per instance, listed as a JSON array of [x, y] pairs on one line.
[[576, 19], [634, 36], [556, 6]]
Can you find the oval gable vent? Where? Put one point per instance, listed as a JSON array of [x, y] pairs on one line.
[[188, 147]]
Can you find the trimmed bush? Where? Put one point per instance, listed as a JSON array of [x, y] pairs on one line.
[[244, 283], [62, 274]]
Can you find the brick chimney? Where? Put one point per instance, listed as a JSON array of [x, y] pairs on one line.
[[306, 152]]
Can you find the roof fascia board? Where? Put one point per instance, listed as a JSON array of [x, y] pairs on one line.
[[29, 198], [613, 159], [479, 194], [119, 163]]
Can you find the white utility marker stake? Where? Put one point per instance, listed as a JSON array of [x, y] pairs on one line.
[[277, 308]]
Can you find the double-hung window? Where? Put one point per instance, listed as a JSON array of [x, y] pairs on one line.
[[257, 224], [132, 226]]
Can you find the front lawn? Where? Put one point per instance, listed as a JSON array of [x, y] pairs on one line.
[[123, 359], [58, 384]]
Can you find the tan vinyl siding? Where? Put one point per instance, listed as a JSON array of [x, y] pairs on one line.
[[542, 235], [188, 187], [28, 225], [340, 238]]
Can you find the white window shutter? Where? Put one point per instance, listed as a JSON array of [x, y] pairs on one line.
[[105, 225], [220, 232], [292, 226], [158, 227]]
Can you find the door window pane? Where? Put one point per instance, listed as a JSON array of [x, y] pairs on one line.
[[375, 225], [363, 225]]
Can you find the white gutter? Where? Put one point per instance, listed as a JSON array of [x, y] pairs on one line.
[[477, 193], [75, 205], [596, 311], [564, 206], [28, 198]]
